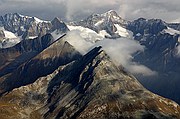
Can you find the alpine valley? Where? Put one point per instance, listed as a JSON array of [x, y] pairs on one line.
[[101, 67]]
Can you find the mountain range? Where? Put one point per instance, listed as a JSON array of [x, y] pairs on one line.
[[54, 69]]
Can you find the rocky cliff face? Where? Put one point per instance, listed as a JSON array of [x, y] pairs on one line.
[[96, 88], [161, 44], [41, 64], [11, 58], [89, 87]]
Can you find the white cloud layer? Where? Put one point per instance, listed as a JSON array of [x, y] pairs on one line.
[[78, 42], [120, 51], [77, 9]]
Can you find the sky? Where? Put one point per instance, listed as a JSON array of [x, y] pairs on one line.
[[70, 10]]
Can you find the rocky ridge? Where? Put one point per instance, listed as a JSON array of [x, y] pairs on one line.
[[90, 87]]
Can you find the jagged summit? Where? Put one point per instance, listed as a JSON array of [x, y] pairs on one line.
[[113, 15], [56, 19], [16, 16], [147, 26], [26, 27], [59, 25], [109, 22], [109, 16]]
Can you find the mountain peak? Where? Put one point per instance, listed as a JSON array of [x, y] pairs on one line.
[[94, 82], [57, 20], [111, 13], [59, 25]]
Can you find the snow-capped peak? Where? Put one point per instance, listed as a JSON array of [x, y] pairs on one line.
[[114, 17], [13, 16], [110, 13]]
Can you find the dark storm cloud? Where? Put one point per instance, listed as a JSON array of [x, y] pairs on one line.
[[78, 9]]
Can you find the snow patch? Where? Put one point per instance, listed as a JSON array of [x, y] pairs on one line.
[[138, 34], [99, 22], [32, 37], [179, 39], [10, 39], [103, 33], [178, 51], [123, 32], [9, 34], [171, 31], [37, 20]]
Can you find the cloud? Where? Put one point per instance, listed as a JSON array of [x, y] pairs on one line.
[[79, 9], [163, 9], [176, 20], [140, 69], [120, 50], [74, 38]]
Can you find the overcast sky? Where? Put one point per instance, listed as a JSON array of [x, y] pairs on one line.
[[168, 10]]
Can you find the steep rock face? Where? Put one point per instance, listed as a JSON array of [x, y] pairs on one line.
[[2, 35], [161, 43], [11, 58], [90, 87], [96, 88], [58, 25], [44, 63], [143, 26], [21, 102]]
